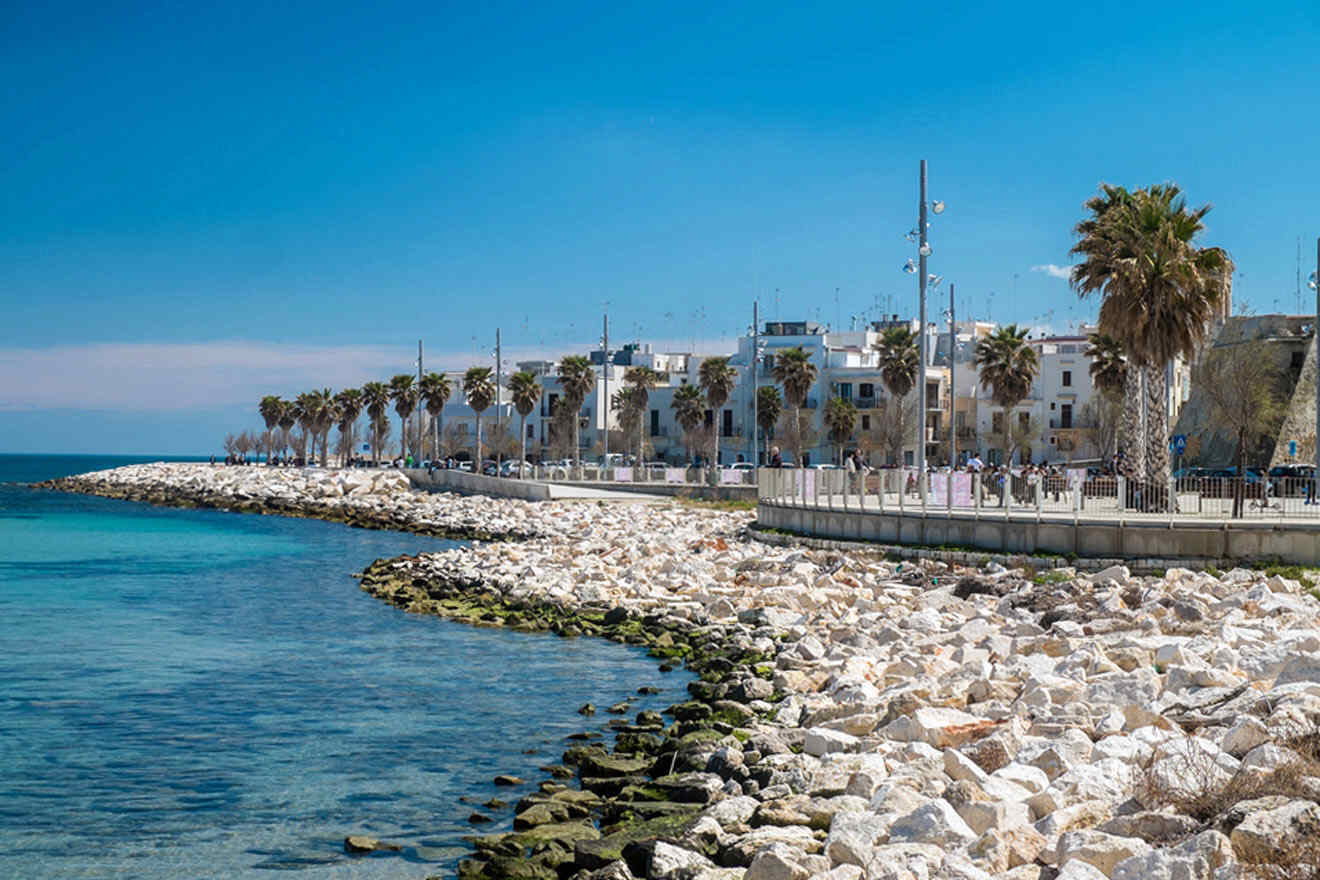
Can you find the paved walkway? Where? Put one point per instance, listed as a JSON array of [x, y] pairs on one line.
[[559, 491]]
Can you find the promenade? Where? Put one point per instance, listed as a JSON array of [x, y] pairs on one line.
[[1079, 518]]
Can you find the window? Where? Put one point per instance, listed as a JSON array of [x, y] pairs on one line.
[[726, 423], [769, 362], [655, 423], [531, 432], [708, 418], [932, 394], [866, 423], [1024, 421], [997, 422], [845, 390], [1067, 378], [1065, 416], [866, 389]]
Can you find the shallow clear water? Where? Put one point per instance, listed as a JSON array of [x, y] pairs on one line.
[[202, 694]]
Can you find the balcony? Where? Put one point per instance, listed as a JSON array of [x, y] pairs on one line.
[[939, 402], [865, 402]]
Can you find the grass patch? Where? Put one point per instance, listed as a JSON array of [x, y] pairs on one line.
[[1307, 577], [1046, 578], [1187, 780], [731, 504]]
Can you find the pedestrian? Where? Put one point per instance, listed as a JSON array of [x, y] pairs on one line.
[[776, 460]]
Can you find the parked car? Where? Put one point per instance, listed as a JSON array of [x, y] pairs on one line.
[[1291, 480], [742, 466]]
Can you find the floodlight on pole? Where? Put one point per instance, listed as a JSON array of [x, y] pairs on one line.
[[937, 207], [924, 250], [910, 267]]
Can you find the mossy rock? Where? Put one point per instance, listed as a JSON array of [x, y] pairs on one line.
[[574, 756], [597, 765], [638, 743], [564, 832], [593, 854]]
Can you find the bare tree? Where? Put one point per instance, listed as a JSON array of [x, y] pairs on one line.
[[1101, 418], [1239, 382], [892, 427]]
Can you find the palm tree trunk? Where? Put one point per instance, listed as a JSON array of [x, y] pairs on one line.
[[1132, 440], [522, 435], [1157, 427], [435, 437], [476, 465]]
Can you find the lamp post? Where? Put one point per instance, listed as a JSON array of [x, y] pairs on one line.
[[923, 251], [756, 356], [1315, 285], [605, 373], [953, 390]]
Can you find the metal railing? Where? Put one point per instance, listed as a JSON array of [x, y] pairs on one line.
[[1067, 494]]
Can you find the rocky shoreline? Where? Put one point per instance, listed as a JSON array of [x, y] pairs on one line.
[[859, 717], [367, 499]]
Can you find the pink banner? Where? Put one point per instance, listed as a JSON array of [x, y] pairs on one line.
[[675, 475], [962, 489], [809, 483], [939, 489], [623, 474]]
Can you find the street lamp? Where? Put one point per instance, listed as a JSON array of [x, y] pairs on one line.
[[1314, 283], [923, 279]]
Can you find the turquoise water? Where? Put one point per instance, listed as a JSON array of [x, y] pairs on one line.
[[201, 694]]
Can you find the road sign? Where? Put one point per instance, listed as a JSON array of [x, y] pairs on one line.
[[1292, 448], [1178, 444]]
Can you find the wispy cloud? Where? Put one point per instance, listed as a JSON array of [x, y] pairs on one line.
[[1064, 272], [159, 377]]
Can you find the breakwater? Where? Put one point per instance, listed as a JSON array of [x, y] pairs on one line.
[[864, 717]]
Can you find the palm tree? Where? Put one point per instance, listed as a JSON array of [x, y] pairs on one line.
[[841, 417], [629, 404], [435, 392], [324, 415], [900, 363], [288, 418], [717, 379], [769, 406], [349, 403], [794, 370], [270, 413], [1108, 363], [526, 394], [641, 381], [577, 378], [376, 397], [479, 390], [304, 411], [1008, 365], [686, 405], [1161, 293], [404, 393]]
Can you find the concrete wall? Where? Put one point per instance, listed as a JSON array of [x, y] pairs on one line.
[[465, 483], [1294, 543]]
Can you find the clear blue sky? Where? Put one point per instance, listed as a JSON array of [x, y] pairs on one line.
[[206, 202]]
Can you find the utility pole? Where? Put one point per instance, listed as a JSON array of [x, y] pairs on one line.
[[923, 250], [417, 410], [605, 372], [953, 389], [756, 356], [499, 413], [1315, 493]]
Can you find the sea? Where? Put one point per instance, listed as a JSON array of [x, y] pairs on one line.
[[192, 694]]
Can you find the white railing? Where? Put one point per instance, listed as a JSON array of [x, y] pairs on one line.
[[1069, 493]]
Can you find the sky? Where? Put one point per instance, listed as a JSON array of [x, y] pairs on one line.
[[206, 203]]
